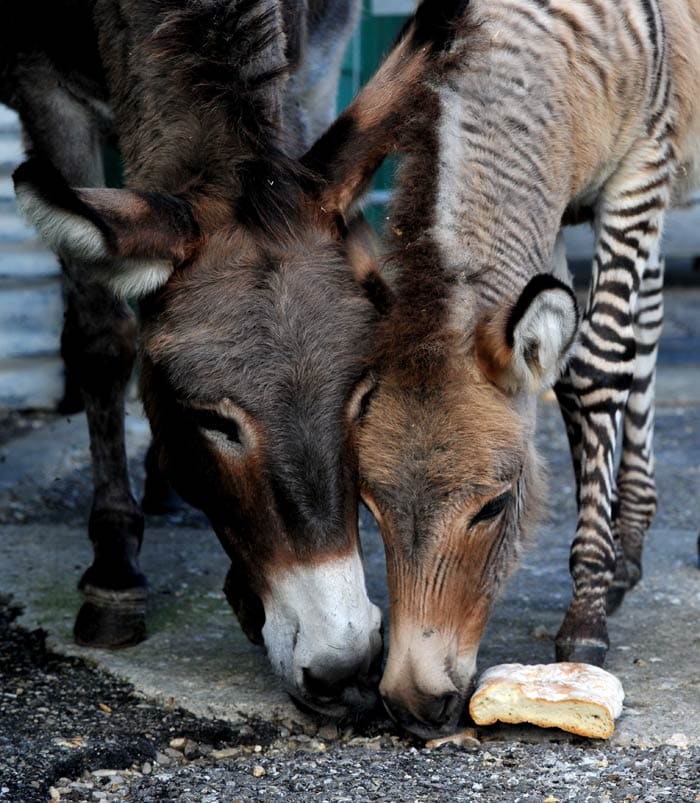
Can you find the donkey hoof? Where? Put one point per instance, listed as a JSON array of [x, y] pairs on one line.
[[111, 619], [582, 652]]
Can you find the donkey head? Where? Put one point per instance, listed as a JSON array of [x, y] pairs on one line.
[[445, 415], [255, 320], [449, 470]]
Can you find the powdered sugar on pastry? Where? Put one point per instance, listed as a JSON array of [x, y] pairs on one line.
[[578, 698]]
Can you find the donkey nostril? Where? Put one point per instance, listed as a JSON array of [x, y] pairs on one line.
[[442, 709], [331, 685]]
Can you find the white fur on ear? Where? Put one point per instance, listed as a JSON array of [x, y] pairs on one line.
[[74, 237], [541, 331], [134, 278], [63, 232]]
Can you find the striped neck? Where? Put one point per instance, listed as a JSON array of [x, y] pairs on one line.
[[502, 164]]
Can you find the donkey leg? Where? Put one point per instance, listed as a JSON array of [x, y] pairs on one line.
[[98, 346], [637, 497], [101, 338], [602, 371]]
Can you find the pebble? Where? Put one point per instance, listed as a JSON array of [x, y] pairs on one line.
[[178, 743], [227, 752], [258, 771], [465, 738], [163, 759]]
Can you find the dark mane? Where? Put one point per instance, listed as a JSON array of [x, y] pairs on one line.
[[272, 189], [232, 56], [413, 339]]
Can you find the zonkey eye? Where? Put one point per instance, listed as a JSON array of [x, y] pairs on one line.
[[213, 422], [492, 508]]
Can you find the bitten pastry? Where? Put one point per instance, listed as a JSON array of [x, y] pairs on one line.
[[579, 698]]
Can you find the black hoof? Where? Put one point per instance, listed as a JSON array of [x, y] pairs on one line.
[[111, 619], [616, 593], [582, 652]]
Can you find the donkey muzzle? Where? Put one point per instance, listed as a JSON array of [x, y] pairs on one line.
[[323, 636], [425, 682]]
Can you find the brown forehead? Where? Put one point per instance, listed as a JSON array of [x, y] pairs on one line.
[[262, 327], [233, 269], [461, 431]]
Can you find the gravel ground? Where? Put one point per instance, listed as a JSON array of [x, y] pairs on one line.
[[71, 733]]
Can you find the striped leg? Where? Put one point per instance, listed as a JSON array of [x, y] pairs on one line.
[[602, 373], [570, 407], [636, 505]]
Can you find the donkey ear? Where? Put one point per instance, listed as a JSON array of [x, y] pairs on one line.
[[353, 148], [525, 349], [133, 240]]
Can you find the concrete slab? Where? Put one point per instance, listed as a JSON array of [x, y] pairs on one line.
[[196, 656]]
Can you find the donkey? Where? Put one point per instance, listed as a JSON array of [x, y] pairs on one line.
[[256, 308], [530, 113]]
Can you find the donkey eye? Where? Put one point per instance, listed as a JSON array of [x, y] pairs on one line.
[[361, 398], [492, 508], [214, 422]]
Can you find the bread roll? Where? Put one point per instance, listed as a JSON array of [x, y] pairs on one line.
[[579, 698]]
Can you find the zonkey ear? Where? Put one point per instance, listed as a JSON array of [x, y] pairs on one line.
[[353, 148], [132, 240], [525, 347]]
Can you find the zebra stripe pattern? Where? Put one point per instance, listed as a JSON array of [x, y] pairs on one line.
[[521, 148]]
